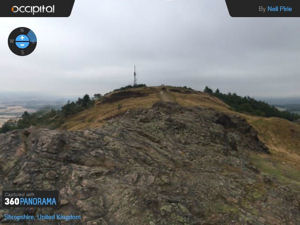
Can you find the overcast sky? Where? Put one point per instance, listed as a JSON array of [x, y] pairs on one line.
[[175, 42]]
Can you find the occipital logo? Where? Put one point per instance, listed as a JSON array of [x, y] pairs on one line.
[[33, 9]]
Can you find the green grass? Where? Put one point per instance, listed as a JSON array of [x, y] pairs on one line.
[[284, 173]]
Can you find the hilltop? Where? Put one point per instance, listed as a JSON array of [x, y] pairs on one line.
[[161, 155], [281, 136], [120, 101]]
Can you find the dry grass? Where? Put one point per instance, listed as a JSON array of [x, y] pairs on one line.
[[278, 133], [96, 116], [101, 112], [283, 139], [281, 136], [202, 100]]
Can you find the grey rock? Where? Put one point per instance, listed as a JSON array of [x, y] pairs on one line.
[[164, 165]]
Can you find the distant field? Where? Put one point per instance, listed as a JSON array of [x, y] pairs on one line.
[[293, 108], [11, 112], [14, 110], [3, 119]]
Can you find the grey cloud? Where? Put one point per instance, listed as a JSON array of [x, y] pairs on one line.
[[181, 42]]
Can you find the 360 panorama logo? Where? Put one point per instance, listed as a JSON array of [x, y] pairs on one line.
[[50, 9]]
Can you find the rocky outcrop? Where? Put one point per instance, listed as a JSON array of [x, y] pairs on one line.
[[166, 165]]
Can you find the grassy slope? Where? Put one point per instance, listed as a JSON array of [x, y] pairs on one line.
[[96, 116], [283, 139], [281, 136]]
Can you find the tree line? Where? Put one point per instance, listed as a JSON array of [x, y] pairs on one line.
[[55, 118], [251, 106], [50, 118]]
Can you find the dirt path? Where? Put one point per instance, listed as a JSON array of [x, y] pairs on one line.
[[166, 96]]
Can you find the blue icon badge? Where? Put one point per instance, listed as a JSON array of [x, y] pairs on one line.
[[22, 41]]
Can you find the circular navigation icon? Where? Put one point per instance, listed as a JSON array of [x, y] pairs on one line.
[[22, 41]]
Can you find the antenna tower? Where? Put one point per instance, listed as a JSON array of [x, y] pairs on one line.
[[135, 79]]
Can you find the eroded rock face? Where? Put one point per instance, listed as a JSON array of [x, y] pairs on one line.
[[165, 165]]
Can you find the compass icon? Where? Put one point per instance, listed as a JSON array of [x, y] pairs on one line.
[[22, 41]]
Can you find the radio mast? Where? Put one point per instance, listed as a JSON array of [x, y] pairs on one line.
[[134, 75]]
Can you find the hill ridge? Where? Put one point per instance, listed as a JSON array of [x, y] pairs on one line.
[[167, 164]]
